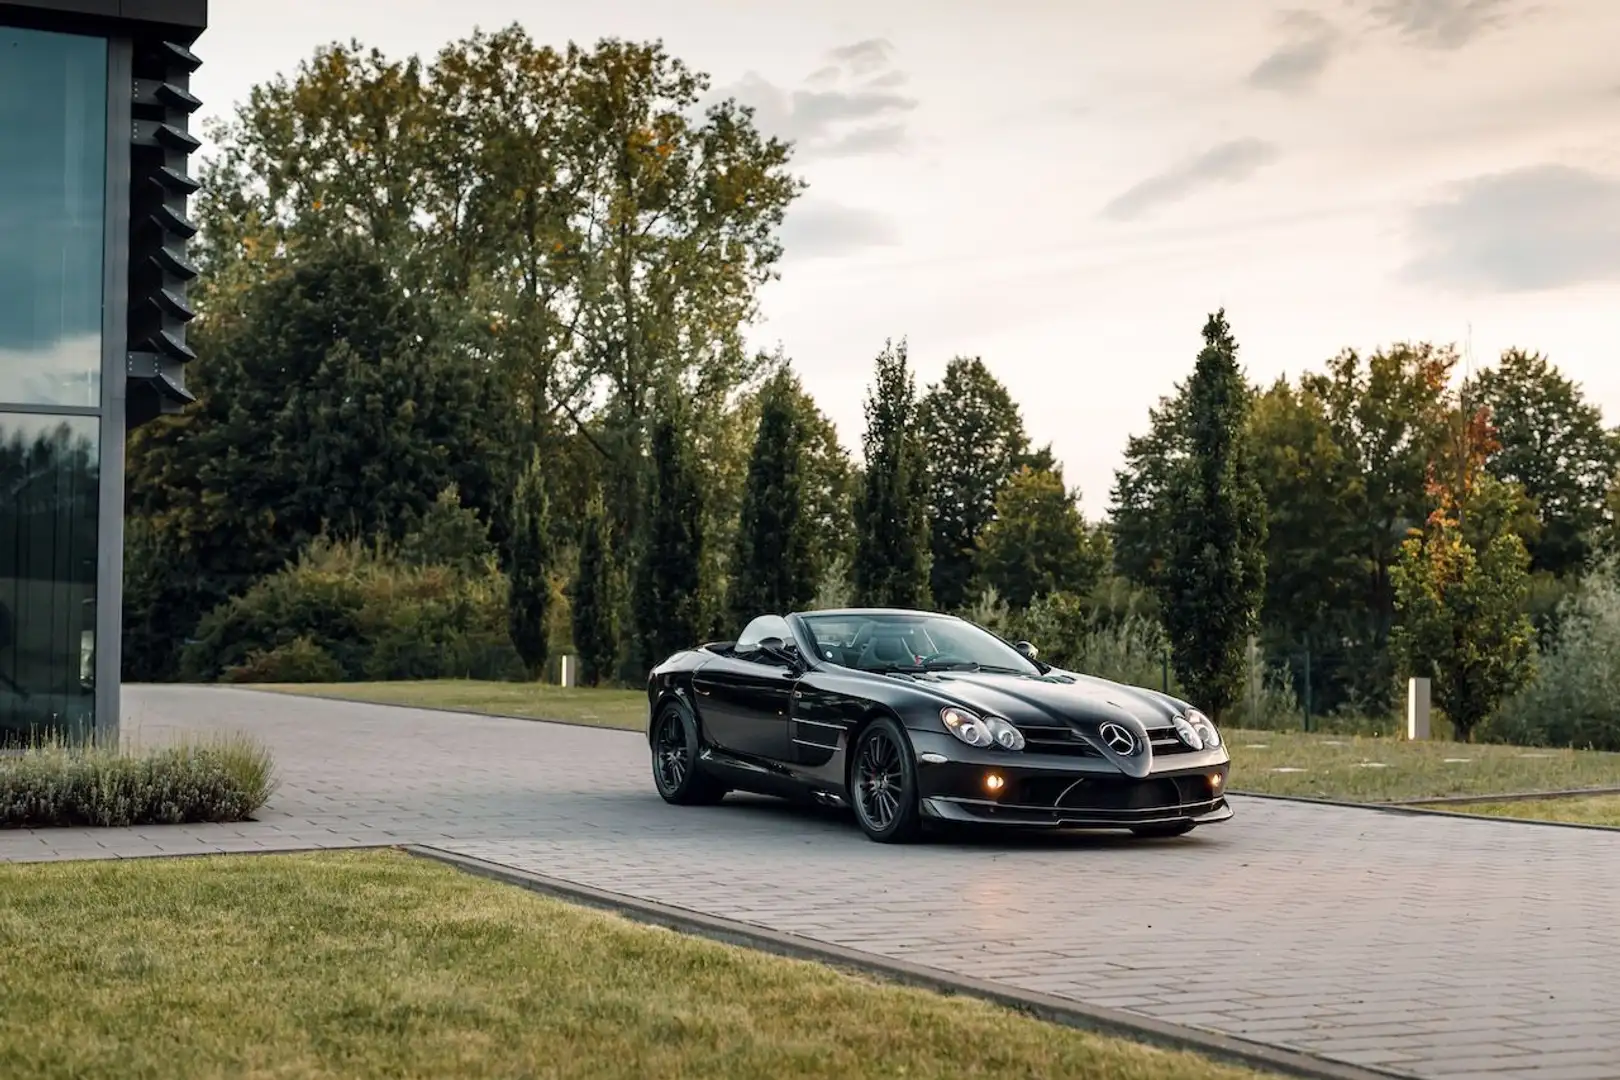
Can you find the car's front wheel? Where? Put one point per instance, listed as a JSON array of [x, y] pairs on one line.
[[883, 783], [675, 766], [1165, 830]]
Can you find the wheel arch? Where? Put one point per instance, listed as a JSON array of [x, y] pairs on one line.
[[678, 698], [874, 711]]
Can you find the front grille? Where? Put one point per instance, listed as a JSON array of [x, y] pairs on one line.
[[1166, 741], [1056, 740]]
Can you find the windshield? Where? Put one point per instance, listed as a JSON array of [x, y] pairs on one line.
[[899, 642]]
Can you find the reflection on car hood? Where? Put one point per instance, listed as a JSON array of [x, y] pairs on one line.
[[1055, 700]]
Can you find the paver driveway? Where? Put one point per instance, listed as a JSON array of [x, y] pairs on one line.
[[1435, 947]]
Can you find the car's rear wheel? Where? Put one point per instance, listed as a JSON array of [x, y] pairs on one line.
[[1165, 830], [680, 779], [883, 783]]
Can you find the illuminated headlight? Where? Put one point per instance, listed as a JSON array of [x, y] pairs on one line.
[[981, 731], [1205, 727]]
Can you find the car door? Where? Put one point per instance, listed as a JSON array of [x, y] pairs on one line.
[[745, 704]]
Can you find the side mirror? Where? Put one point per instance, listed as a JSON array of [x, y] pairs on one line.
[[785, 651], [1028, 651]]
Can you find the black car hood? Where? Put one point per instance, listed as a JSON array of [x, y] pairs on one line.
[[1056, 700]]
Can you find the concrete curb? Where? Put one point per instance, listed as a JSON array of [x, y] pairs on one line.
[[1047, 1007], [250, 688], [1517, 796], [1425, 811]]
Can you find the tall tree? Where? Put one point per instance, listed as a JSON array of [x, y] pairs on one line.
[[668, 605], [1140, 500], [891, 516], [1461, 602], [1213, 581], [330, 400], [1038, 543], [973, 436], [594, 598], [774, 568], [1551, 441], [529, 568]]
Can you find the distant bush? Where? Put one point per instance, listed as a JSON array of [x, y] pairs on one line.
[[301, 660], [1078, 635], [348, 612], [1575, 698], [54, 784]]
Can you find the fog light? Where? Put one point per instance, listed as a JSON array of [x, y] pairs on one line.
[[994, 782], [1216, 780]]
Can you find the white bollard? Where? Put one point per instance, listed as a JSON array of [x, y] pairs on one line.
[[1417, 709], [568, 674]]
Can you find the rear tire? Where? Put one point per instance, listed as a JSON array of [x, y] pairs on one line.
[[676, 772], [1164, 831], [883, 783]]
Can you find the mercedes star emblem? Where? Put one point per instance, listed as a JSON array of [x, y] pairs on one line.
[[1119, 740]]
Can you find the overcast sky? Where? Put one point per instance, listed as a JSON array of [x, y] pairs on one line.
[[1067, 187]]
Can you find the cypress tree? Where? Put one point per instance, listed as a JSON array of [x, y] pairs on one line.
[[529, 568], [1214, 574], [595, 599], [668, 603], [773, 566], [891, 515]]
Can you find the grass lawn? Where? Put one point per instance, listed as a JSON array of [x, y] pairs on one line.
[[1348, 767], [377, 964], [582, 705], [1583, 810]]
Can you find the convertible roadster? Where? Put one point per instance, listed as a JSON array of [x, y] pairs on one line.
[[911, 716]]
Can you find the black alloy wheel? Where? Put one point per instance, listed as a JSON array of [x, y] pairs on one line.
[[883, 783], [676, 771], [1164, 830]]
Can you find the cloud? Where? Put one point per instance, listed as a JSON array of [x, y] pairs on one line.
[[852, 105], [819, 230], [1228, 163], [1541, 227], [1442, 24], [1309, 43]]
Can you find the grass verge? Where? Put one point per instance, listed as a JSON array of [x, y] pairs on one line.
[[1580, 810], [379, 964], [1344, 767], [539, 701], [57, 784]]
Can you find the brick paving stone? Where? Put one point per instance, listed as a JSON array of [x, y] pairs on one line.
[[1437, 947]]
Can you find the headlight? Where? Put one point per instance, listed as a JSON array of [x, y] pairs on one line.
[[981, 731], [1187, 733], [1205, 728]]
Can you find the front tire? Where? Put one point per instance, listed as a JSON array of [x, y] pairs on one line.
[[1164, 831], [883, 783], [676, 772]]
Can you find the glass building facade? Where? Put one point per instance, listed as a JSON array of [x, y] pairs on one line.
[[53, 210], [93, 102]]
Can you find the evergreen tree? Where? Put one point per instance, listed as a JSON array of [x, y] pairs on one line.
[[891, 515], [595, 597], [668, 605], [1213, 581], [974, 438], [774, 568], [529, 568], [1038, 543], [449, 534]]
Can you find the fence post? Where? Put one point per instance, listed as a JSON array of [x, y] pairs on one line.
[[1417, 708], [1307, 687], [567, 673]]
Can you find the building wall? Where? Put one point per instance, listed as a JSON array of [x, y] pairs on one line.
[[54, 239]]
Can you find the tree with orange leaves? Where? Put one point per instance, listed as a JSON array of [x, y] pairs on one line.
[[1462, 582]]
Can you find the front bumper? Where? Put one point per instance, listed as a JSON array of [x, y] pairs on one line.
[[1064, 792]]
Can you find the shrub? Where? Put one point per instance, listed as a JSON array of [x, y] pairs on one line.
[[301, 660], [53, 784], [349, 612], [1575, 698]]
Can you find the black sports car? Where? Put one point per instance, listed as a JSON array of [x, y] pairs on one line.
[[909, 716]]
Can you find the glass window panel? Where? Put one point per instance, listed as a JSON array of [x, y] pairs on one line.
[[49, 468], [53, 127]]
